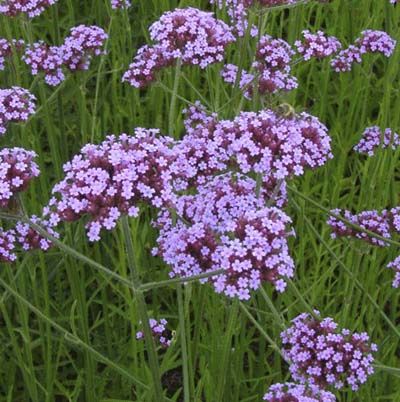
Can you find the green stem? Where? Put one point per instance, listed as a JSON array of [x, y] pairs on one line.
[[171, 115], [142, 309], [182, 327], [224, 362], [71, 338]]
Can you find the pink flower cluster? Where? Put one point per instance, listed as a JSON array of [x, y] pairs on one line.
[[120, 4], [225, 226], [6, 49], [370, 41], [321, 354], [108, 180], [292, 392], [373, 138], [31, 8], [161, 334], [271, 69], [16, 105], [190, 35], [317, 45], [17, 169], [74, 54]]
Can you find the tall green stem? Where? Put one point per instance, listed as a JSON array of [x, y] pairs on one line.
[[171, 116], [142, 309]]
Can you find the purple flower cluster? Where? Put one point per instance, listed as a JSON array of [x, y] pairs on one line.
[[108, 180], [117, 4], [7, 246], [238, 12], [190, 35], [6, 49], [317, 45], [17, 169], [292, 392], [274, 146], [373, 221], [225, 226], [16, 105], [369, 42], [271, 69], [74, 54], [395, 266], [373, 138], [321, 354], [161, 334], [30, 239], [32, 8]]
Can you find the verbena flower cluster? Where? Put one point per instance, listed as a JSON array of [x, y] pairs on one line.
[[17, 169], [74, 54], [190, 35], [289, 391], [383, 223], [108, 180], [16, 105], [321, 354], [6, 49], [395, 266], [7, 246], [29, 239], [225, 226], [373, 138], [271, 69], [31, 8], [238, 12], [317, 45], [160, 333], [274, 146], [368, 220], [370, 41], [117, 4]]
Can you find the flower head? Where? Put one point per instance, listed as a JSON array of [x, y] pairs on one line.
[[160, 333], [297, 393], [321, 354]]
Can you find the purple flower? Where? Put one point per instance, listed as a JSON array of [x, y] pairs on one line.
[[376, 42], [395, 265], [346, 58], [373, 221], [274, 146], [117, 4], [317, 45], [45, 59], [81, 45], [17, 169], [226, 226], [320, 354], [32, 8], [7, 246], [16, 105], [369, 42], [191, 35], [29, 239], [373, 138], [161, 334], [297, 393], [6, 49], [108, 180]]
